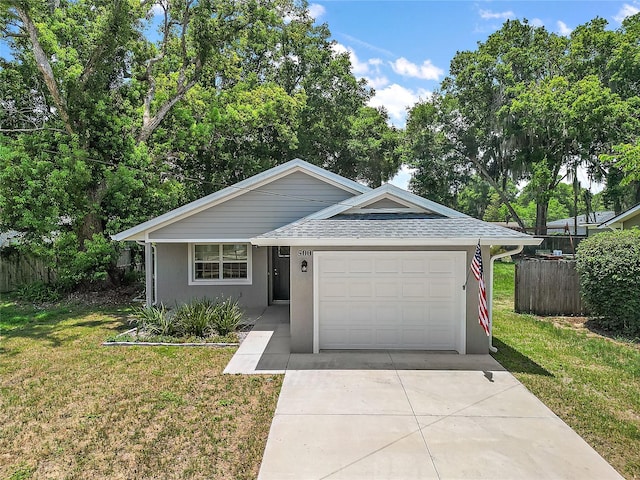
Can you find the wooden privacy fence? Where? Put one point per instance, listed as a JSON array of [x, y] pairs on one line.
[[19, 269], [548, 287]]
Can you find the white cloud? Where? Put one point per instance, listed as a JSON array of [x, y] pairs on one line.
[[157, 10], [403, 177], [359, 68], [489, 15], [377, 82], [626, 11], [536, 22], [426, 71], [316, 10], [396, 99], [563, 29]]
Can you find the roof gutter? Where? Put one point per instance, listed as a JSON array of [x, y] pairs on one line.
[[491, 261]]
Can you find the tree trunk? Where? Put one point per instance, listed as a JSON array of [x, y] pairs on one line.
[[541, 217]]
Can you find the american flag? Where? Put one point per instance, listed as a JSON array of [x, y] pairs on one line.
[[483, 312]]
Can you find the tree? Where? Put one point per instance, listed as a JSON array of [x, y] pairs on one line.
[[374, 146], [431, 148], [107, 122]]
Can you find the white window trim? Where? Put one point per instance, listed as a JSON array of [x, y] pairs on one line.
[[225, 281]]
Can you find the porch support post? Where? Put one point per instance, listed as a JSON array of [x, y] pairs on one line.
[[148, 273]]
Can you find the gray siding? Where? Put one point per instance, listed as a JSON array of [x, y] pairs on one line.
[[173, 281], [276, 204], [302, 298]]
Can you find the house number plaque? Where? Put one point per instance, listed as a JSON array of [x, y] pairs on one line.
[[304, 253]]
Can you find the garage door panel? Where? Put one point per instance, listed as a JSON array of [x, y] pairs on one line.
[[414, 288], [410, 265], [387, 289], [331, 265], [442, 288], [390, 300], [387, 265], [360, 288], [387, 314], [335, 289], [363, 265], [440, 266], [415, 314]]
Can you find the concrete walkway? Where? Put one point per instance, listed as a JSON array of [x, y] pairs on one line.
[[407, 415]]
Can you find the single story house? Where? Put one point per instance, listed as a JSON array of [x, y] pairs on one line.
[[360, 268], [626, 220], [587, 224]]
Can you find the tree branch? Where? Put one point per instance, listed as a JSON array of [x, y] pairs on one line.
[[149, 122], [45, 68], [497, 188]]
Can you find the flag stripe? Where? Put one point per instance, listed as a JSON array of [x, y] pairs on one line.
[[483, 311]]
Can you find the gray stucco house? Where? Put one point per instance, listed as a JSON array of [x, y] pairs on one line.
[[361, 268]]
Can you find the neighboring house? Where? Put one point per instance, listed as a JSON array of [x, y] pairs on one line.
[[360, 268], [587, 224], [626, 220]]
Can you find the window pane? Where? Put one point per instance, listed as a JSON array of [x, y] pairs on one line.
[[207, 253], [205, 271], [234, 252], [234, 270], [284, 252]]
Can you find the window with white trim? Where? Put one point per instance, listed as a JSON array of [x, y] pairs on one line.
[[221, 263]]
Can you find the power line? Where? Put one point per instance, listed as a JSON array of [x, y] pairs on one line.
[[200, 181]]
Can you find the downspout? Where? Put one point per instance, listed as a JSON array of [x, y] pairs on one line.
[[493, 259]]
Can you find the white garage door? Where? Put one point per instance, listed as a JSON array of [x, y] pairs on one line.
[[389, 300]]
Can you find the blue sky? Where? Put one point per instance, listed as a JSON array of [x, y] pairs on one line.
[[403, 48]]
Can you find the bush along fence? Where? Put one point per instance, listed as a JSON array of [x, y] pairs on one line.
[[17, 269], [548, 287]]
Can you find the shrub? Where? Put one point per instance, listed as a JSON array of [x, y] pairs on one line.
[[155, 320], [195, 318], [227, 316], [39, 292], [609, 268]]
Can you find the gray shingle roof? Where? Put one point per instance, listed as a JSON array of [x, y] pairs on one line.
[[351, 227]]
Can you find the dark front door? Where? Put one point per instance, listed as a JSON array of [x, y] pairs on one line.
[[280, 272]]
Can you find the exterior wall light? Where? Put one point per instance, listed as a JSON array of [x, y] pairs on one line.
[[303, 266]]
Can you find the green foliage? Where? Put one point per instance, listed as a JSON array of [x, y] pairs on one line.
[[609, 268], [195, 318], [154, 320], [39, 292], [227, 316], [109, 126], [527, 105]]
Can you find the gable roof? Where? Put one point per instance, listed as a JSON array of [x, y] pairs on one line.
[[623, 217], [427, 223], [250, 184], [389, 192]]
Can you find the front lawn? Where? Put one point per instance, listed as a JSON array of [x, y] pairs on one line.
[[71, 408], [591, 382]]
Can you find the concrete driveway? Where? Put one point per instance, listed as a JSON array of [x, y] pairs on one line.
[[395, 415]]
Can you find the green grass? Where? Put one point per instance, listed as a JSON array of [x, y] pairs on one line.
[[71, 408], [591, 382]]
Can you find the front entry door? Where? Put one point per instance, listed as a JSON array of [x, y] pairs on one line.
[[280, 272]]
